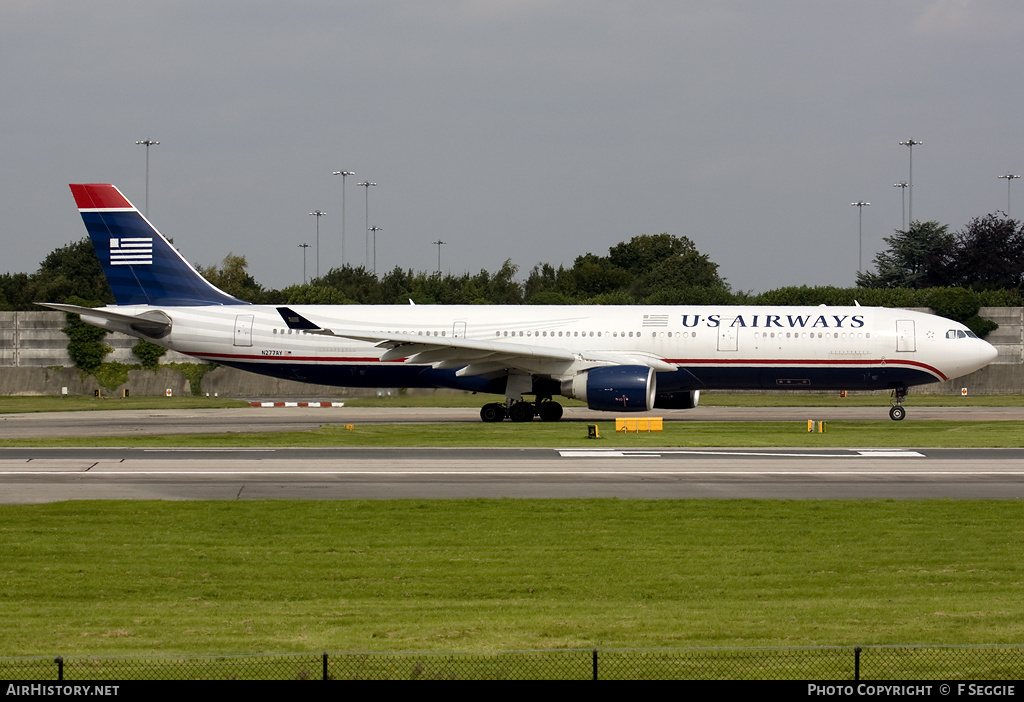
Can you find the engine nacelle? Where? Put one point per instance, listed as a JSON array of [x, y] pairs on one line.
[[677, 400], [614, 388]]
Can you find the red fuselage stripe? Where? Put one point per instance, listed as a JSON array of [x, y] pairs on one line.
[[684, 362]]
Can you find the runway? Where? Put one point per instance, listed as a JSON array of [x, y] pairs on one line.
[[33, 475], [44, 475]]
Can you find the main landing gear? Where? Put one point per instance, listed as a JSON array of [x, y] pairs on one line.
[[522, 411], [896, 412]]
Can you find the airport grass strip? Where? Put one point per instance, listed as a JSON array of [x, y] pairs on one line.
[[113, 577], [681, 434], [77, 403], [74, 403], [824, 663]]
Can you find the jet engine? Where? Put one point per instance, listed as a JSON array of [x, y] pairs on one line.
[[686, 399], [613, 388]]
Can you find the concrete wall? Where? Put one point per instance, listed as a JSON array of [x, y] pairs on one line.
[[1009, 337], [32, 339], [230, 382], [55, 381], [221, 381], [34, 361], [35, 339]]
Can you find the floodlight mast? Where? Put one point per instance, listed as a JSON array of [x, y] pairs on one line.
[[1009, 179], [367, 184], [910, 143], [147, 143], [303, 246], [860, 205], [374, 230], [439, 243], [902, 185], [344, 175], [318, 214]]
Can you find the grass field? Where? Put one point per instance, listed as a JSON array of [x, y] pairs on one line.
[[77, 403], [117, 577], [37, 403], [485, 575], [840, 434]]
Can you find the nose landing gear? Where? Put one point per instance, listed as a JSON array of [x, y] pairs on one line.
[[897, 412]]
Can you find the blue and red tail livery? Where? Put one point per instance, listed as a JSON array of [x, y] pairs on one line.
[[141, 266]]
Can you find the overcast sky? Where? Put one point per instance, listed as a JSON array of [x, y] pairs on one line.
[[530, 130]]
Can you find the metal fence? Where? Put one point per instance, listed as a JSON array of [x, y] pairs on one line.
[[822, 663]]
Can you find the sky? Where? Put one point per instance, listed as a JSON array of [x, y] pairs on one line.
[[529, 130]]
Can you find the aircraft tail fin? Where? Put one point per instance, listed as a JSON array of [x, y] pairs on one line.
[[141, 266]]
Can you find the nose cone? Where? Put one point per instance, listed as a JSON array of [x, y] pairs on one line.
[[965, 356], [977, 355], [987, 354]]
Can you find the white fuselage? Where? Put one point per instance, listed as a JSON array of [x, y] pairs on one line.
[[711, 347]]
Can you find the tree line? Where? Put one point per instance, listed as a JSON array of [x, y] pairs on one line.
[[924, 266]]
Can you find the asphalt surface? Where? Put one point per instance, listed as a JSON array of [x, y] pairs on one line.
[[29, 475], [43, 475]]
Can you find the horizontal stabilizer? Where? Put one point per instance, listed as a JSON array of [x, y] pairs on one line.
[[151, 323]]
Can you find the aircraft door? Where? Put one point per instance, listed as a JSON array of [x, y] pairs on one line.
[[727, 335], [905, 338], [459, 330], [243, 329]]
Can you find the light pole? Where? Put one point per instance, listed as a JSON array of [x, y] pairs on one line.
[[375, 230], [344, 175], [1009, 179], [318, 214], [303, 247], [147, 143], [902, 185], [367, 184], [439, 243], [910, 144], [860, 228]]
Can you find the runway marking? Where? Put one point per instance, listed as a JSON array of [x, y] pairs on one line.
[[296, 404], [536, 473], [208, 450], [654, 453]]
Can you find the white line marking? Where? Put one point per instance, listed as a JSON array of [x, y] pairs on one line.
[[210, 450], [251, 473], [654, 453]]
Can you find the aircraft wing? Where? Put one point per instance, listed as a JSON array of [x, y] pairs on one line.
[[477, 356]]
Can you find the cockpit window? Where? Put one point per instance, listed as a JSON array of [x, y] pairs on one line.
[[961, 334]]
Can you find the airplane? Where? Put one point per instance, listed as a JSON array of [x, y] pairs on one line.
[[613, 358]]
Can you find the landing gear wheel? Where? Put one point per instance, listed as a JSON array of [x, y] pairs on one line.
[[549, 411], [896, 412], [492, 412], [521, 412]]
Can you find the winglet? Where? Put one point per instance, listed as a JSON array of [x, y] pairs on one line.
[[294, 320]]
